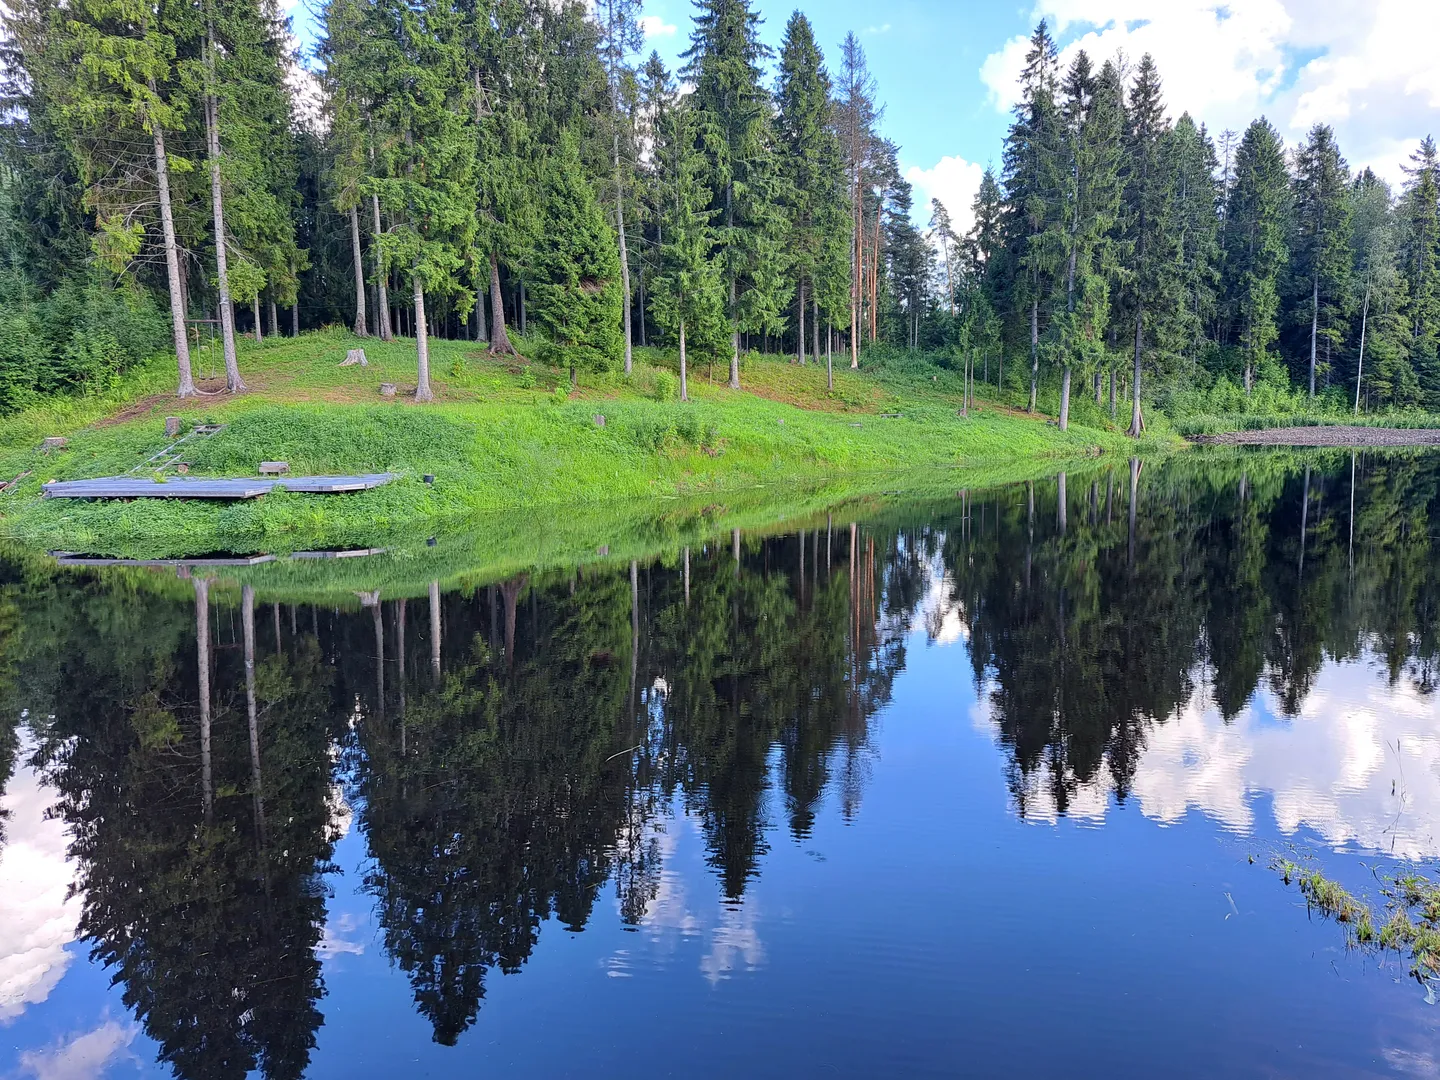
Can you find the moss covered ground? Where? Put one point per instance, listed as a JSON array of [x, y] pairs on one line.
[[504, 436]]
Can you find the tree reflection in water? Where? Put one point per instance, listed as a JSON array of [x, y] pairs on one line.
[[515, 762]]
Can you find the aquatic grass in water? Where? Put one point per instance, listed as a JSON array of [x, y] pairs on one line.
[[1413, 926]]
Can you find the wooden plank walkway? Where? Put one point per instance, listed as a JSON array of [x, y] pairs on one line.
[[73, 558], [136, 487], [69, 558]]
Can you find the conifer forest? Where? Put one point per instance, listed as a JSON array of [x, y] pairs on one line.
[[182, 172]]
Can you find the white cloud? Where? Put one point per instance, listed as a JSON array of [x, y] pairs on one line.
[[1359, 767], [85, 1057], [953, 181], [1374, 78], [38, 917], [872, 30], [654, 26], [342, 936]]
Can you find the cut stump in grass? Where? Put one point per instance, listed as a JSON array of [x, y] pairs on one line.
[[355, 357]]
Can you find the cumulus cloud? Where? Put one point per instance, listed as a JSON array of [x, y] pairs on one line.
[[872, 30], [85, 1057], [953, 181], [342, 936], [1359, 767], [1366, 69], [38, 917], [654, 26]]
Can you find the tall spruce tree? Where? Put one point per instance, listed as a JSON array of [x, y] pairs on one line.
[[1420, 263], [808, 154], [1382, 342], [1032, 174], [734, 109], [1320, 252], [1090, 191], [1256, 220], [620, 36], [943, 236], [428, 182], [1190, 167], [110, 72], [688, 294], [1147, 238], [857, 116], [576, 273]]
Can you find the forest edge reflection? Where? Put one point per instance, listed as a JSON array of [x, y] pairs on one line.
[[507, 765]]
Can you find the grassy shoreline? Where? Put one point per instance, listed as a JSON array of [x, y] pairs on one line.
[[510, 437]]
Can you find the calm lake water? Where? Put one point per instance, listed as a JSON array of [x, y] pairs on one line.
[[986, 785]]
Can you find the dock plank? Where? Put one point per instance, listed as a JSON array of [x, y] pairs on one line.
[[138, 487], [69, 558]]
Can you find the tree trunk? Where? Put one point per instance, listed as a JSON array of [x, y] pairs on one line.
[[1314, 324], [829, 357], [1134, 499], [1137, 420], [1099, 394], [734, 343], [965, 390], [172, 264], [499, 338], [435, 630], [858, 272], [274, 316], [1360, 365], [247, 624], [800, 325], [233, 382], [684, 385], [875, 283], [640, 304], [422, 343], [383, 300], [1034, 351], [814, 327], [1065, 399], [295, 318], [360, 328], [620, 232], [202, 655], [255, 310]]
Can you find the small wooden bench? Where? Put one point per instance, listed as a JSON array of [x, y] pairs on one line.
[[274, 468]]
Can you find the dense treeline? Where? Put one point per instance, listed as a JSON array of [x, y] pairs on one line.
[[168, 180]]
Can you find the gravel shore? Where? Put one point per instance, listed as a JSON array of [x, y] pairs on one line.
[[1326, 436]]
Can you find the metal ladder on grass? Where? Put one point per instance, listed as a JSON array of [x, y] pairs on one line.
[[171, 455]]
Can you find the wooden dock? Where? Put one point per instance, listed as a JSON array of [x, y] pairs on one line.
[[74, 558], [70, 558], [138, 487]]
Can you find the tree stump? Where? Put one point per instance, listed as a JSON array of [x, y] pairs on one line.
[[354, 357], [54, 442], [172, 426], [387, 389], [599, 419]]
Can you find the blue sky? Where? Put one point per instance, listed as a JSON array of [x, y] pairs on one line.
[[926, 57]]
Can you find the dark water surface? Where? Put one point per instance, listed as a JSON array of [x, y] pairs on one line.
[[989, 785]]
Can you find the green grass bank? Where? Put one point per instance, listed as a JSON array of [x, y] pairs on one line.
[[504, 436]]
